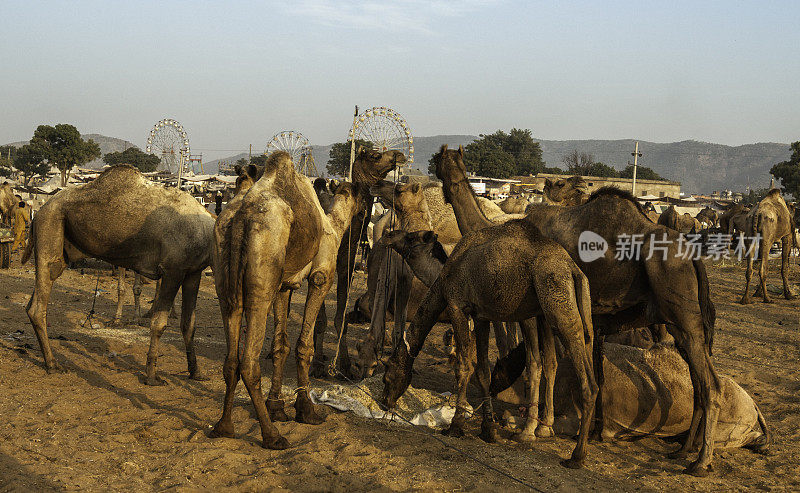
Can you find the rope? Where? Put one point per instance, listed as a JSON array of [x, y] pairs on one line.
[[94, 300], [443, 442]]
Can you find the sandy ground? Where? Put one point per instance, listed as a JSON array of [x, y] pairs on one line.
[[97, 427]]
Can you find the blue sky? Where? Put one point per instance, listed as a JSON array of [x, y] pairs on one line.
[[234, 73]]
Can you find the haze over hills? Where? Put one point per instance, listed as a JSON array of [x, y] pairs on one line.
[[699, 166]]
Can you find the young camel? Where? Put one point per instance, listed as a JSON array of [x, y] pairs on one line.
[[507, 272], [664, 288], [565, 191], [130, 222], [266, 242], [770, 220]]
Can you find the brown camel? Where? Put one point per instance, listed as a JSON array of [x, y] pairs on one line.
[[246, 176], [565, 191], [369, 167], [682, 223], [507, 272], [734, 218], [708, 218], [769, 221], [127, 221], [267, 241], [514, 205], [8, 203], [650, 212], [662, 289]]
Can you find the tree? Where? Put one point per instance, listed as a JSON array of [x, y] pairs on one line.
[[600, 169], [31, 160], [260, 160], [578, 163], [788, 172], [502, 155], [754, 196], [5, 161], [339, 162], [65, 148], [135, 157], [642, 173]]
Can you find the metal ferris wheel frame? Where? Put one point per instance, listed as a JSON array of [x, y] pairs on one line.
[[386, 129], [298, 147], [168, 140]]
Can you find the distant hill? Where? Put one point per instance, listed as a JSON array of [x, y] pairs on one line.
[[699, 166], [107, 144]]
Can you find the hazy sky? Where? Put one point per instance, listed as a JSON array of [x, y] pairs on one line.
[[235, 72]]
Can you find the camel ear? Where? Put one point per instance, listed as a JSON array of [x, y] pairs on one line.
[[461, 151], [443, 149], [252, 171], [360, 150], [429, 236], [415, 188]]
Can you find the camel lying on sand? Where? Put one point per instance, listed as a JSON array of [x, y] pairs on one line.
[[708, 218], [772, 221], [682, 223], [565, 191], [514, 205], [648, 392], [128, 221]]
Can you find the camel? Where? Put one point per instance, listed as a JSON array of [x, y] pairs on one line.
[[324, 194], [662, 289], [769, 221], [130, 222], [7, 203], [648, 392], [267, 241], [682, 223], [369, 167], [650, 212], [514, 205], [565, 191], [246, 176], [734, 218], [708, 218], [507, 272]]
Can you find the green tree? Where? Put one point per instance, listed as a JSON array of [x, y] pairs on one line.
[[642, 173], [339, 162], [65, 148], [788, 172], [135, 157], [754, 196], [259, 160], [5, 161], [502, 155], [31, 160], [600, 169]]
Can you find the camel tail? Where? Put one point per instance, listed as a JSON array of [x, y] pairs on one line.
[[707, 310], [234, 260], [584, 302], [26, 254], [507, 370], [761, 444]]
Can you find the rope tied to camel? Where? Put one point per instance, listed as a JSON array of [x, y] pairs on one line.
[[94, 300]]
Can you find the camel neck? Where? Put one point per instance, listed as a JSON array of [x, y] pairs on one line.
[[340, 214], [465, 206], [426, 268], [415, 221]]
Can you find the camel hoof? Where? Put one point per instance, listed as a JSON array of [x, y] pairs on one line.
[[276, 410], [199, 377], [698, 471], [279, 443], [572, 463], [154, 381], [543, 431], [221, 430], [745, 301], [306, 414], [678, 454], [54, 369], [453, 431], [488, 433]]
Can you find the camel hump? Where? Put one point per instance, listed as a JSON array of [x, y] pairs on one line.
[[117, 175], [278, 163]]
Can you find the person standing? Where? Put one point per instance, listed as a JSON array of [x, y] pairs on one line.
[[22, 217]]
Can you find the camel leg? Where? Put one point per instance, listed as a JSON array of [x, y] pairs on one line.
[[488, 426], [46, 274], [345, 263], [166, 295], [763, 269], [371, 346], [500, 337], [318, 367], [549, 366], [137, 293], [747, 277], [402, 292], [579, 349], [786, 246], [232, 321], [465, 346], [280, 350], [533, 373], [305, 411], [189, 289], [120, 293]]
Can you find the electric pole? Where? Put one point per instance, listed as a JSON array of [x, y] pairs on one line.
[[636, 155], [353, 145], [250, 154]]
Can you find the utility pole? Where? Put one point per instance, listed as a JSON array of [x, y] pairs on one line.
[[353, 145], [636, 155], [250, 154]]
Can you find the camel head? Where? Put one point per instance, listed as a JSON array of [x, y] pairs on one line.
[[397, 377], [246, 177], [371, 166], [348, 196], [450, 168], [414, 245], [402, 197], [563, 189]]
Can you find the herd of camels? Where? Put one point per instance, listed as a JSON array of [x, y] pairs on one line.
[[453, 257]]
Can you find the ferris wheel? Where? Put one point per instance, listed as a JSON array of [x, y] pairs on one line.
[[298, 147], [386, 129], [169, 141]]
